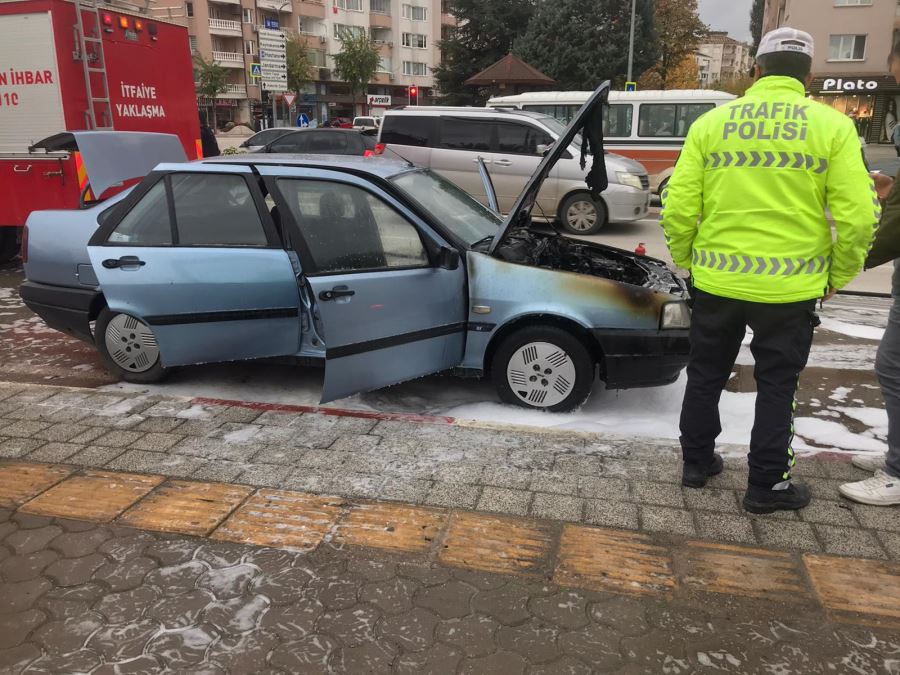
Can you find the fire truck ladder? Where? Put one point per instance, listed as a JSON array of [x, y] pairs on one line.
[[93, 63]]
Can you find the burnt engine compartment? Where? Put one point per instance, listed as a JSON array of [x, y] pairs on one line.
[[556, 252]]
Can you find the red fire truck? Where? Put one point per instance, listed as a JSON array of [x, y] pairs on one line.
[[67, 66]]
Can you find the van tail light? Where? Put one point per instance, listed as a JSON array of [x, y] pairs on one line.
[[369, 153], [25, 244], [379, 149]]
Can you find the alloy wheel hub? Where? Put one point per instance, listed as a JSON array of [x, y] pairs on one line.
[[541, 374], [131, 344]]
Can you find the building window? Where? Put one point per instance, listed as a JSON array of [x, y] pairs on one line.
[[416, 40], [343, 30], [193, 39], [380, 6], [248, 16], [250, 47], [189, 7], [317, 58], [847, 48], [384, 64], [353, 5], [851, 3], [415, 68], [415, 13]]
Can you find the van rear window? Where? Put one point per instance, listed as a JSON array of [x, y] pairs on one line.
[[408, 130]]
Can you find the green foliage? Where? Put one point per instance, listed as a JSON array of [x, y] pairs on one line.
[[757, 11], [212, 80], [357, 61], [580, 43], [486, 31], [679, 31], [299, 66]]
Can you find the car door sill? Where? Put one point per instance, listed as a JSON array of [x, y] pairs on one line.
[[394, 340]]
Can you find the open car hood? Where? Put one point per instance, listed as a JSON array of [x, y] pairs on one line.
[[111, 157], [589, 120]]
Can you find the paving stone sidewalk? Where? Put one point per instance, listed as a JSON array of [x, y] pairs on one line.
[[78, 597], [585, 478]]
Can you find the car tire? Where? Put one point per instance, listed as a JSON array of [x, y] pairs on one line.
[[579, 214], [9, 243], [543, 368], [135, 354], [662, 187]]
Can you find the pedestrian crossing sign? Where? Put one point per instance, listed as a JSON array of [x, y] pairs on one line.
[[255, 70], [631, 86]]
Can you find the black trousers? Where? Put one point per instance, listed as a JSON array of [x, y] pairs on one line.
[[782, 336]]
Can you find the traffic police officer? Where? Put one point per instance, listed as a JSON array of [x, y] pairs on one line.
[[744, 211]]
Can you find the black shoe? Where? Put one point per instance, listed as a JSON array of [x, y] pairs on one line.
[[766, 500], [696, 475]]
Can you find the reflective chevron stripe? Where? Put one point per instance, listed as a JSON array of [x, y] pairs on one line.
[[771, 266], [786, 160]]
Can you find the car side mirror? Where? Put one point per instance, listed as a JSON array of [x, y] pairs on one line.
[[448, 258]]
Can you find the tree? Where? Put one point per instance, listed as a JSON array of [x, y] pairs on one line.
[[357, 61], [485, 32], [299, 65], [680, 31], [579, 44], [737, 86], [686, 75], [757, 11], [212, 80]]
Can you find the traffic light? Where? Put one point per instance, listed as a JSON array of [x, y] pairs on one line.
[[414, 95]]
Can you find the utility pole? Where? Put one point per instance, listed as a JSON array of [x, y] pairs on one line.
[[631, 43]]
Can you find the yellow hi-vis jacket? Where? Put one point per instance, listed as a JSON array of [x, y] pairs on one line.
[[745, 209]]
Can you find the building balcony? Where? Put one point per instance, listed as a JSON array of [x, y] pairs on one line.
[[380, 20], [225, 27], [383, 45], [383, 78], [310, 8], [227, 2], [234, 91], [275, 5], [229, 59]]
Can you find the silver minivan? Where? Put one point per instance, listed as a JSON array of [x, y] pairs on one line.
[[511, 143]]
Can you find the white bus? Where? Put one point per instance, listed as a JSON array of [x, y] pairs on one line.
[[649, 126]]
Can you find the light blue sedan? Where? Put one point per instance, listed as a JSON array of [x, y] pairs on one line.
[[381, 271]]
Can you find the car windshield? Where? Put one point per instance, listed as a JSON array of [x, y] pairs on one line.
[[558, 128], [462, 214]]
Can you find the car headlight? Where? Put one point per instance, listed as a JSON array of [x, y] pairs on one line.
[[630, 179], [675, 315]]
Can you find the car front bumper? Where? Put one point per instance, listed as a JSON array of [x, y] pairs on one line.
[[626, 204], [65, 309], [642, 358]]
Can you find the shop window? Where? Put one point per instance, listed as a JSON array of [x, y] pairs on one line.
[[847, 48]]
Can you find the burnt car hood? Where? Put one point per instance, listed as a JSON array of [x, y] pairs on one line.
[[539, 248], [588, 119]]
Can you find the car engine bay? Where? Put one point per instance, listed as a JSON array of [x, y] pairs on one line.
[[549, 250]]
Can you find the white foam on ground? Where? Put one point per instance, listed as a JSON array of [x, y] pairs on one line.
[[852, 329], [835, 435]]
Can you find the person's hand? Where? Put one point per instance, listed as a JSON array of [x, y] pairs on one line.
[[883, 184], [830, 294]]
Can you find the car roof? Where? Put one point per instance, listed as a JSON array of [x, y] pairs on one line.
[[437, 111], [382, 167]]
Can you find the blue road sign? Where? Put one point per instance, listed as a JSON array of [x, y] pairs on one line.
[[272, 24], [255, 70], [303, 120], [631, 86]]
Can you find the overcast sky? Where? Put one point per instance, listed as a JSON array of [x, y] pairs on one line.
[[730, 15]]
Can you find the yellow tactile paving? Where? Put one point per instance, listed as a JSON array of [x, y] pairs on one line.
[[185, 507], [497, 544], [93, 495], [393, 527], [21, 482], [283, 519], [722, 568], [612, 560], [854, 585]]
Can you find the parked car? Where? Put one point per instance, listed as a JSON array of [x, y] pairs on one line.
[[366, 123], [261, 139], [323, 142], [381, 270], [339, 123], [512, 143]]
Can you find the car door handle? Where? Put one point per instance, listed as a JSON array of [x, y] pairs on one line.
[[124, 261], [486, 161], [502, 162], [336, 292]]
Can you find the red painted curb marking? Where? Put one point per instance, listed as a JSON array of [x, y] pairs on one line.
[[336, 412]]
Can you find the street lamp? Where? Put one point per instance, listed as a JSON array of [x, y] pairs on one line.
[[631, 42]]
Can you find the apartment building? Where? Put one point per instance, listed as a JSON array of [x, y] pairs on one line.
[[853, 40], [407, 33], [721, 57]]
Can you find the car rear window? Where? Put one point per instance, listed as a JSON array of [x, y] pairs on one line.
[[408, 130]]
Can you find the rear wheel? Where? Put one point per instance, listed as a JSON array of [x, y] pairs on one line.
[[580, 214], [9, 243], [543, 367], [129, 347]]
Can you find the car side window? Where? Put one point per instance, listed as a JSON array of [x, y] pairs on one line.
[[147, 223], [656, 119], [215, 210], [688, 114], [348, 229], [617, 120], [408, 130], [520, 139], [464, 134], [295, 142]]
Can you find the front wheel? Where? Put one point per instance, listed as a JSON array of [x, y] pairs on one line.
[[9, 243], [543, 367], [579, 214], [129, 347]]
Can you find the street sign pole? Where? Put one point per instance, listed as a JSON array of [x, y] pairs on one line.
[[631, 42]]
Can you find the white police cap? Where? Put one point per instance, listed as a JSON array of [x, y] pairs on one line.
[[786, 39]]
